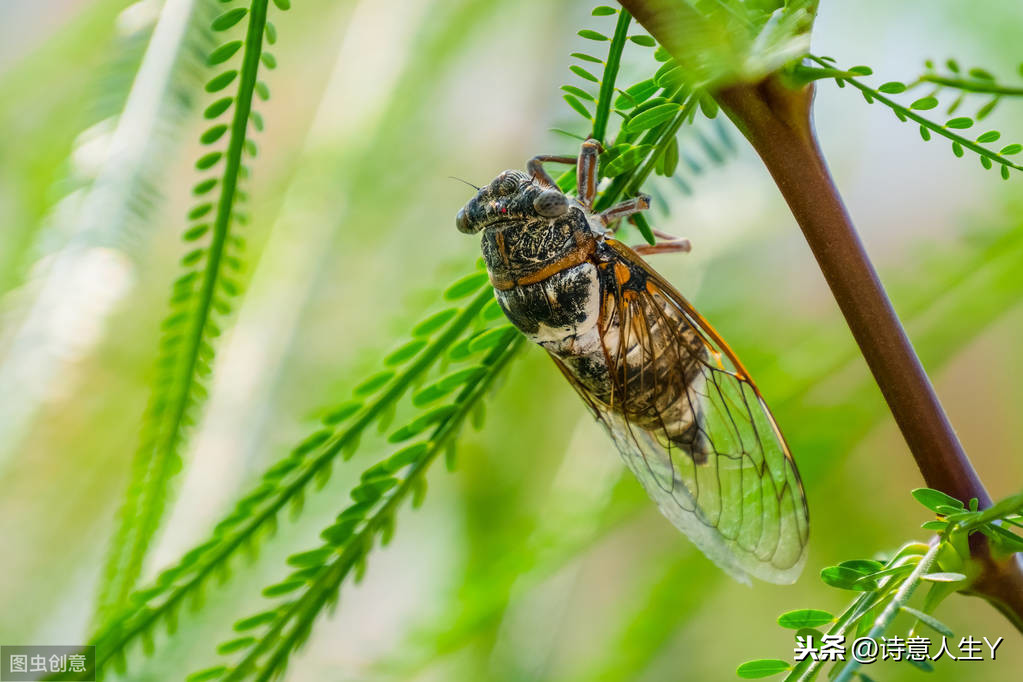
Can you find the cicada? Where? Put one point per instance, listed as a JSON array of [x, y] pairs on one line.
[[680, 407]]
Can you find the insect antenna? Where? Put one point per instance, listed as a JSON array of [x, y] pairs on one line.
[[465, 181]]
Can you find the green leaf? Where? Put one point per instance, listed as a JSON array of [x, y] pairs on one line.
[[283, 5], [236, 644], [373, 383], [932, 499], [603, 11], [644, 228], [627, 160], [312, 442], [204, 186], [643, 40], [217, 108], [194, 233], [209, 160], [314, 557], [283, 587], [256, 620], [983, 112], [936, 526], [651, 118], [1007, 540], [805, 618], [434, 322], [861, 71], [490, 338], [959, 123], [199, 211], [207, 674], [339, 533], [592, 35], [944, 577], [1010, 149], [421, 423], [229, 19], [930, 621], [447, 384], [636, 94], [404, 353], [223, 53], [407, 455], [222, 81], [846, 579], [924, 103], [862, 566], [578, 106], [213, 134], [587, 58], [372, 490], [578, 92], [989, 136], [583, 73], [469, 284], [669, 160], [764, 667], [892, 88]]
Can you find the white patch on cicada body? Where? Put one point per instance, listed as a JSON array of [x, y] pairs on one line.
[[583, 337]]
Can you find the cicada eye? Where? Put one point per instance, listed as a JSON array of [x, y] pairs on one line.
[[551, 203], [506, 184], [462, 222]]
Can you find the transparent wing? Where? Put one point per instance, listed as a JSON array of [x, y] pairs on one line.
[[693, 428]]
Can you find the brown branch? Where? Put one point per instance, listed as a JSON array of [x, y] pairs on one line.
[[777, 120]]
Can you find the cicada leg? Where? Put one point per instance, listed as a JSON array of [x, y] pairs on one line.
[[586, 170], [672, 245], [640, 202], [535, 167]]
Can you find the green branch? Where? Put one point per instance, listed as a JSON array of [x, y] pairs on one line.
[[607, 82], [242, 526], [972, 85], [301, 613], [907, 113], [189, 330]]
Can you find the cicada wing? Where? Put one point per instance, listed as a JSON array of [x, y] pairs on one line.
[[693, 428]]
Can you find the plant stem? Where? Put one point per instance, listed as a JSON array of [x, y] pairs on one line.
[[972, 85], [777, 122], [900, 599], [607, 83]]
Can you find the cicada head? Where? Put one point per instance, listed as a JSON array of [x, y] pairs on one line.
[[511, 196]]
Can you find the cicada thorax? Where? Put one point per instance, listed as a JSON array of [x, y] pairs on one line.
[[543, 277]]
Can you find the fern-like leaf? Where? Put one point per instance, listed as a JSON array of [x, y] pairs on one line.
[[950, 130], [200, 298], [310, 463], [320, 572]]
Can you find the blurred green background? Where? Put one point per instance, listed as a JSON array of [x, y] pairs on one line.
[[537, 558]]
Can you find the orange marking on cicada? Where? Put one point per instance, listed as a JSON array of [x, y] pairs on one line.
[[622, 273]]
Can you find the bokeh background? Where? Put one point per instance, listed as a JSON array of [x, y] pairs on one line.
[[537, 559]]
